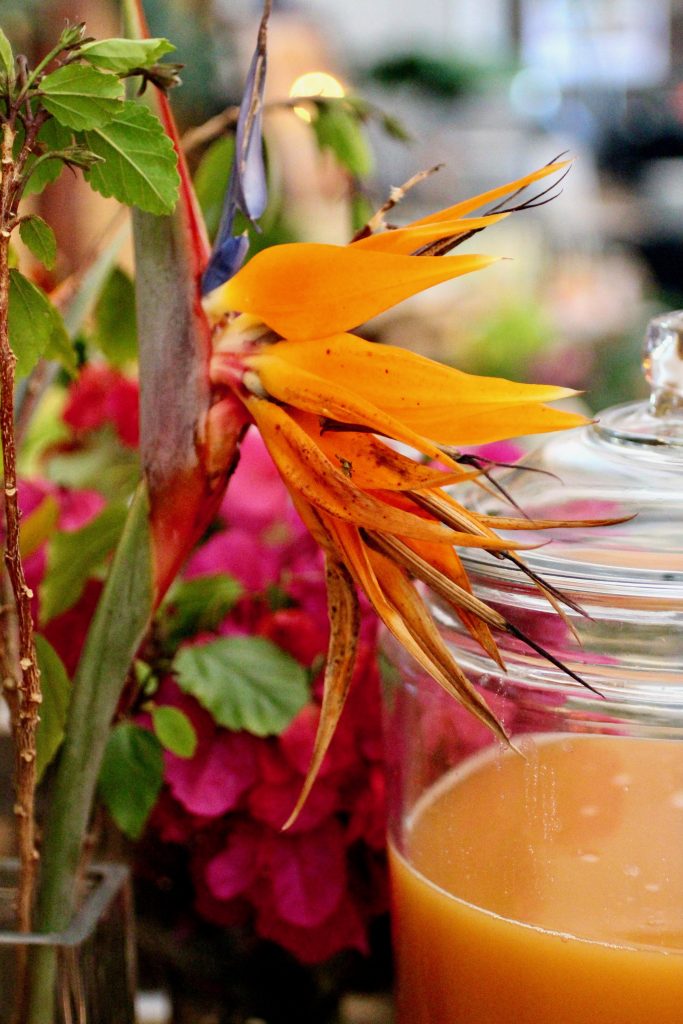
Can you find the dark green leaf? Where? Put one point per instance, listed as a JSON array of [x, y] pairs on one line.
[[140, 163], [101, 463], [35, 326], [123, 55], [6, 56], [211, 180], [174, 730], [394, 129], [52, 136], [131, 776], [60, 347], [244, 682], [39, 238], [73, 557], [337, 130], [115, 332], [56, 690], [199, 605], [81, 97]]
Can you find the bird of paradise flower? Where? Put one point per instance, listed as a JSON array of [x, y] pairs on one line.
[[328, 404]]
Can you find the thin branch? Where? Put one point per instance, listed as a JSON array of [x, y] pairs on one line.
[[28, 695], [377, 220]]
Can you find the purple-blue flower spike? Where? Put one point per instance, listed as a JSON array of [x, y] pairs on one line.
[[247, 189]]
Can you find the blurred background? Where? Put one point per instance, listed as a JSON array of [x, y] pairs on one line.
[[490, 89]]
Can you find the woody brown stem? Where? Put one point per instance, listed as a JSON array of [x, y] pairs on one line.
[[26, 702]]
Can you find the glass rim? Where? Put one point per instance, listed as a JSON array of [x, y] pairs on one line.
[[108, 881]]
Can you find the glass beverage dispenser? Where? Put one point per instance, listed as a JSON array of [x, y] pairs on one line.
[[543, 883]]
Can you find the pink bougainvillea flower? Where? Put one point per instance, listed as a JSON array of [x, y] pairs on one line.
[[104, 395]]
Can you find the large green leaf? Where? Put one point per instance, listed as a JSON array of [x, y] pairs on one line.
[[56, 691], [74, 557], [244, 682], [39, 238], [139, 165], [81, 97], [124, 55], [35, 326], [131, 776], [121, 619]]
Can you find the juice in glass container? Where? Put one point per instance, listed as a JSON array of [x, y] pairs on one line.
[[531, 891]]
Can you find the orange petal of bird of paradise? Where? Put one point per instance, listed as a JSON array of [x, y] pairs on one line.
[[395, 378], [372, 464], [306, 469], [306, 290], [406, 240], [449, 565], [476, 202], [344, 609], [404, 395]]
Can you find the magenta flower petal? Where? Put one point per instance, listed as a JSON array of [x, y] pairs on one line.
[[343, 929], [308, 874], [212, 782], [273, 804], [238, 553], [236, 867]]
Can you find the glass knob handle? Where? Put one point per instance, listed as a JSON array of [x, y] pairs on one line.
[[663, 364]]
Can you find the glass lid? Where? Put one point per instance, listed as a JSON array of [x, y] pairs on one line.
[[627, 464]]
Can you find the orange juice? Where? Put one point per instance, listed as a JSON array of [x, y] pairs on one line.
[[545, 890]]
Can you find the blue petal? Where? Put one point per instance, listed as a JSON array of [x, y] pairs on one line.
[[249, 167], [225, 261], [247, 190]]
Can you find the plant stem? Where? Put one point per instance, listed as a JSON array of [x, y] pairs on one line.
[[29, 695], [121, 620]]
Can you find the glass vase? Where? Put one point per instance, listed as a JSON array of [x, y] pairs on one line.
[[91, 963]]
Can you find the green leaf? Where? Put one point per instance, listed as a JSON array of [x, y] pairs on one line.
[[198, 605], [54, 137], [337, 130], [244, 682], [130, 777], [56, 691], [211, 180], [40, 239], [6, 56], [72, 559], [115, 332], [140, 163], [174, 730], [123, 55], [101, 463], [81, 97], [35, 326]]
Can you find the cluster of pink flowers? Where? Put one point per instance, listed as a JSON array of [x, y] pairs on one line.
[[314, 889]]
